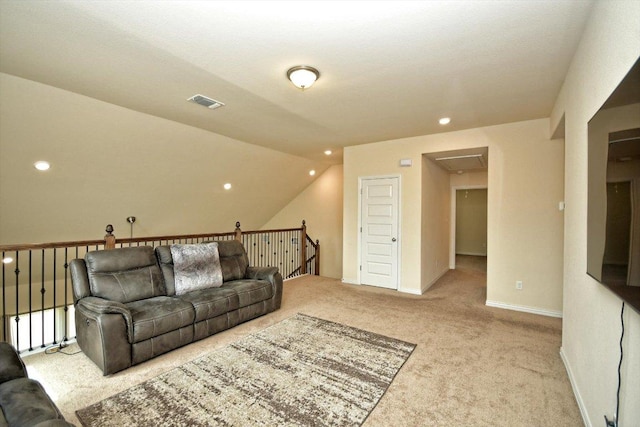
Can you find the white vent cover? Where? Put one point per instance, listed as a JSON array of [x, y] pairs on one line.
[[206, 101]]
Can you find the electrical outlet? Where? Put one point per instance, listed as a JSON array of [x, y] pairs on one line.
[[519, 285]]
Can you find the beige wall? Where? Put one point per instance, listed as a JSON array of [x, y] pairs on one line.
[[469, 179], [320, 205], [471, 222], [109, 162], [524, 224], [435, 224], [591, 313]]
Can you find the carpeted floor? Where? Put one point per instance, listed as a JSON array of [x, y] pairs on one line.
[[473, 365], [299, 372]]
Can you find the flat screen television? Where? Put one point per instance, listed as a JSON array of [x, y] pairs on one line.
[[613, 215]]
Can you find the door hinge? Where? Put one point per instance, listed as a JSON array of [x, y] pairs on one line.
[[360, 268], [361, 229]]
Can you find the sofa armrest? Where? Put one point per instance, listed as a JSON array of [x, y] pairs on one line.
[[11, 366], [261, 273], [103, 306], [273, 276]]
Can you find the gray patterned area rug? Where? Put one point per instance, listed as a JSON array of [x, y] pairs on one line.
[[303, 371]]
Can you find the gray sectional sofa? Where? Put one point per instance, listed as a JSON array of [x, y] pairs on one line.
[[23, 401], [129, 309]]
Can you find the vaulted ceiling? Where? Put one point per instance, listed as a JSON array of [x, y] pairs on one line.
[[388, 69]]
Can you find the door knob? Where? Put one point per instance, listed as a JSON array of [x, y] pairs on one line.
[[393, 239]]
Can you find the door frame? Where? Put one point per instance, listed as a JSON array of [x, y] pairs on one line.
[[452, 221], [360, 180]]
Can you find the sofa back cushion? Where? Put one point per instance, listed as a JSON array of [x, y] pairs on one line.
[[233, 260], [125, 275], [163, 253]]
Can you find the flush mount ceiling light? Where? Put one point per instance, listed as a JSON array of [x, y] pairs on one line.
[[41, 165], [303, 76], [227, 186], [327, 152], [312, 172], [444, 121]]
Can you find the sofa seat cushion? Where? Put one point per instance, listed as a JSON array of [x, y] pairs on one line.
[[250, 291], [25, 403], [156, 316], [212, 302]]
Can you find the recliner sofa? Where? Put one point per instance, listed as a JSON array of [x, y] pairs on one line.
[[23, 401], [127, 309]]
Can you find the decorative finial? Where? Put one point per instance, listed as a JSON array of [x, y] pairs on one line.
[[109, 229]]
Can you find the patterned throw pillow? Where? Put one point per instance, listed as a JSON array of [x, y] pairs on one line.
[[196, 266]]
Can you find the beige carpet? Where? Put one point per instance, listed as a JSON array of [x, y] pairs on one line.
[[299, 372], [473, 365]]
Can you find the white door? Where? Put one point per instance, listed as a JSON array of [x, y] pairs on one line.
[[379, 232]]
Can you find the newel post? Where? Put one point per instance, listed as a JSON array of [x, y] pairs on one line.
[[303, 248], [317, 257], [238, 232], [109, 238]]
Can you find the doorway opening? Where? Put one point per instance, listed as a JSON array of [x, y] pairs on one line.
[[469, 228]]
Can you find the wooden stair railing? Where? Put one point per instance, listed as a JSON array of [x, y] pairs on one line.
[[36, 300]]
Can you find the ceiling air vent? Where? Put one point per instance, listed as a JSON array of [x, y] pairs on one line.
[[205, 101]]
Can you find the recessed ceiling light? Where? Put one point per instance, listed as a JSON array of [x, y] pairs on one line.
[[227, 186], [327, 152], [312, 172], [41, 165], [444, 121], [7, 260]]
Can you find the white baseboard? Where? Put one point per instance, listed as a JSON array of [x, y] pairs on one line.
[[576, 393], [350, 281], [525, 309]]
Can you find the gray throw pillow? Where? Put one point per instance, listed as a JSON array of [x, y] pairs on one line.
[[196, 266]]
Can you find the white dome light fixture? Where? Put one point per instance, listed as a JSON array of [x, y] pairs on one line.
[[303, 76], [227, 186], [444, 121]]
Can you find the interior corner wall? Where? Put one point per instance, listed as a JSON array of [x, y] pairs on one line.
[[109, 162], [435, 223], [320, 205], [591, 322], [524, 224]]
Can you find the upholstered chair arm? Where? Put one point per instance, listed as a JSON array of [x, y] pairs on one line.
[[103, 306], [273, 276], [262, 273], [11, 366]]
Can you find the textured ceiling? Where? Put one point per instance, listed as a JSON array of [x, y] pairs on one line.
[[388, 69]]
